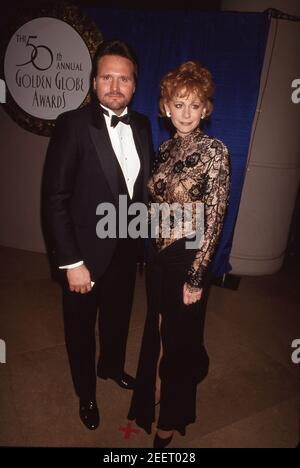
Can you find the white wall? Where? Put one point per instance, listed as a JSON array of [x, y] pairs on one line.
[[22, 158]]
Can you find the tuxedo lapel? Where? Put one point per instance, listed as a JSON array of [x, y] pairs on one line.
[[106, 154], [104, 149], [140, 143]]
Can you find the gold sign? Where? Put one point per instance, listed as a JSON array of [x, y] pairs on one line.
[[47, 65]]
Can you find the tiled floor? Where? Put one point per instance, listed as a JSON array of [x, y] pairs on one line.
[[249, 399]]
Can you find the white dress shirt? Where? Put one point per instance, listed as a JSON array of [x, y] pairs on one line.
[[124, 147]]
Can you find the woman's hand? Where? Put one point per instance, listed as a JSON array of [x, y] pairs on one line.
[[190, 297]]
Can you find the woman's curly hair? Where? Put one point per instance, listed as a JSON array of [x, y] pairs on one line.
[[190, 77]]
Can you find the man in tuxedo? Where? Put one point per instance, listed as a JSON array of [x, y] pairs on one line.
[[97, 153]]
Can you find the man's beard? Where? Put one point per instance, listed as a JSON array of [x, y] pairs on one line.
[[115, 105]]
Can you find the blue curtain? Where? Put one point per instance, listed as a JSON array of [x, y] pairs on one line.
[[231, 45]]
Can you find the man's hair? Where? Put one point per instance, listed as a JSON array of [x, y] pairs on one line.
[[115, 47]]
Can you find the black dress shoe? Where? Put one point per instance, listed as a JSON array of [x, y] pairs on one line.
[[89, 414], [124, 380], [161, 442]]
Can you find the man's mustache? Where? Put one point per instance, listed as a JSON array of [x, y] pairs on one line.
[[114, 95]]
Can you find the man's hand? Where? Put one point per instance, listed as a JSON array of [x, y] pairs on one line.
[[79, 279], [190, 297]]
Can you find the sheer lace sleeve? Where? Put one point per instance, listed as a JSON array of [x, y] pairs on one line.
[[215, 204]]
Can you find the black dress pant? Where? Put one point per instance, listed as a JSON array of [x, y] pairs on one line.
[[184, 361], [112, 295]]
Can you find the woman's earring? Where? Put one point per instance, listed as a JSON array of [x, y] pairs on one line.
[[203, 115], [168, 114]]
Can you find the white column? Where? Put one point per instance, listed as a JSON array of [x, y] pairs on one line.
[[292, 7], [273, 172]]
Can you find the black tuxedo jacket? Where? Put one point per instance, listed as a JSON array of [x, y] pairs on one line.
[[81, 171]]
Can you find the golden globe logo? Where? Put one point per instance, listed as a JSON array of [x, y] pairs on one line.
[[47, 68]]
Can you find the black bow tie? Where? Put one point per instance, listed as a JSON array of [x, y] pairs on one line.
[[115, 120]]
